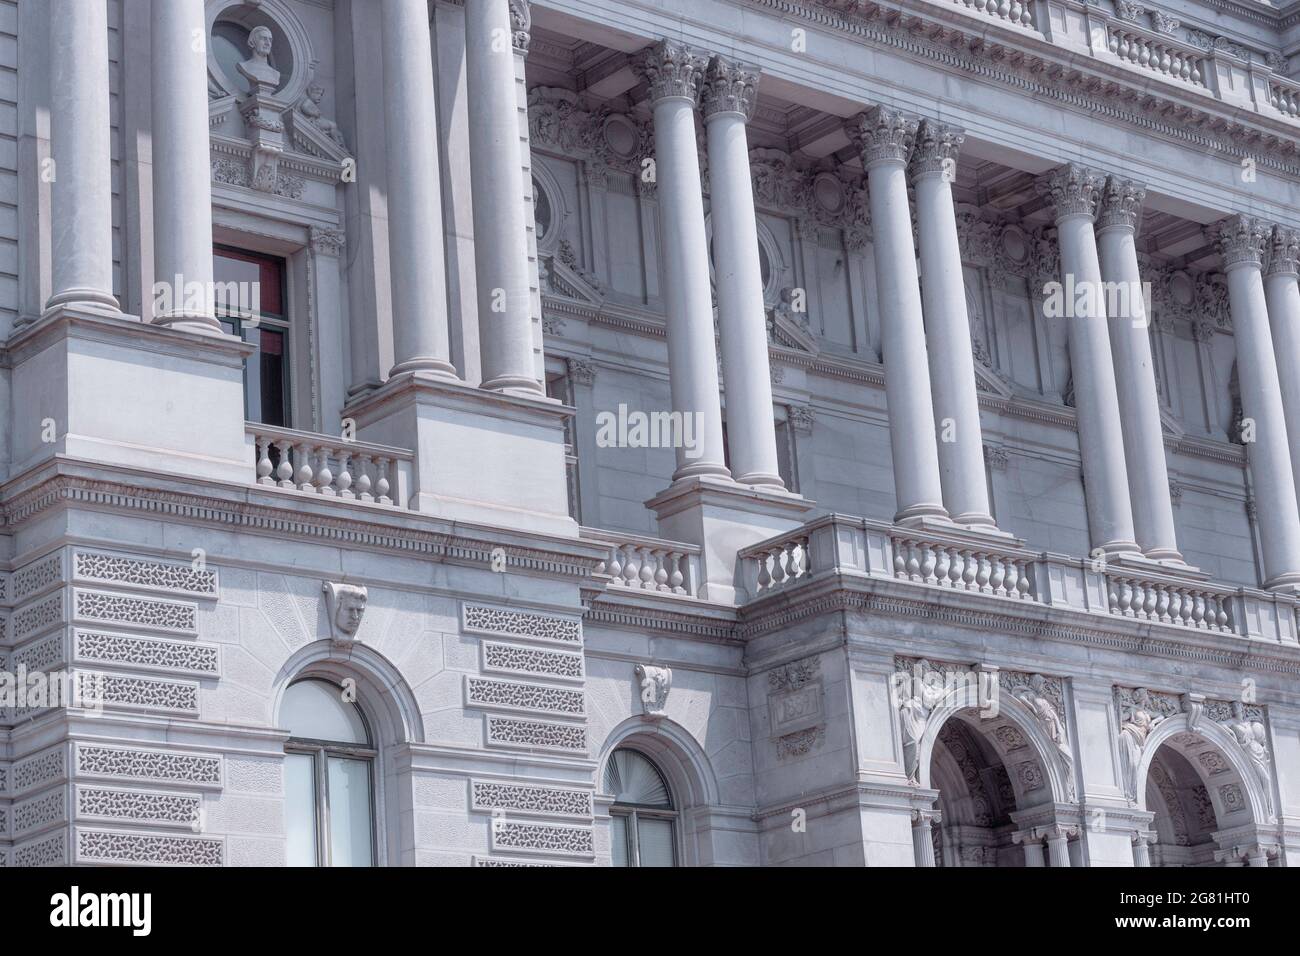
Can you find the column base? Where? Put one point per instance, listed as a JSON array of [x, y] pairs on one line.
[[437, 368], [722, 517], [84, 300], [762, 479], [923, 517], [706, 469], [514, 385], [199, 323], [1150, 565], [483, 457], [1288, 583]]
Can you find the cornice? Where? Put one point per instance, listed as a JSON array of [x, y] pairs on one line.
[[1028, 62], [360, 526]]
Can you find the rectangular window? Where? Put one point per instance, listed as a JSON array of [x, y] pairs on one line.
[[250, 302], [350, 825], [300, 809]]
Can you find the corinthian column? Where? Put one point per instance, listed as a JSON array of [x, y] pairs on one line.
[[416, 262], [943, 295], [1282, 292], [884, 137], [500, 217], [674, 74], [1242, 240], [82, 188], [182, 169], [1074, 191], [922, 837], [729, 94], [1135, 376]]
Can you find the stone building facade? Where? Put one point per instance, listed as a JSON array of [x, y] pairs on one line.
[[646, 432]]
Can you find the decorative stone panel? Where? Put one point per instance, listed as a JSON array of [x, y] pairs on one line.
[[152, 807], [36, 617], [513, 659], [512, 695], [139, 573], [38, 770], [146, 653], [45, 851], [4, 778], [132, 763], [497, 861], [146, 849], [40, 811], [484, 619], [542, 838], [135, 611], [38, 576], [40, 655], [488, 795], [141, 693], [536, 735]]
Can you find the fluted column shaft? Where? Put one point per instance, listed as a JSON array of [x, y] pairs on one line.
[[1135, 376], [728, 97], [182, 168], [415, 243], [922, 838], [500, 216], [1074, 192], [81, 192], [1141, 852], [884, 137], [1242, 240], [1033, 849], [947, 326], [674, 74], [1282, 293], [1058, 849]]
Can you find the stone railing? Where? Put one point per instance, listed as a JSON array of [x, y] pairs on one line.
[[1284, 95], [1169, 602], [962, 567], [774, 564], [639, 563], [1019, 12], [330, 466], [1002, 570], [1159, 54]]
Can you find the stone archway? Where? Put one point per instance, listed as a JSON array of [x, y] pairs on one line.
[[993, 748], [1203, 768]]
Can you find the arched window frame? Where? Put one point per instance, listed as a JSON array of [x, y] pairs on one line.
[[633, 813], [321, 751]]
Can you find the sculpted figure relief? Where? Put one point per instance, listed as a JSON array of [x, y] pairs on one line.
[[1035, 698], [345, 603], [1252, 737], [916, 699], [1137, 722]]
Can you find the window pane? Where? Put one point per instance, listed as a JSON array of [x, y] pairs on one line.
[[271, 346], [349, 795], [300, 809], [655, 841], [315, 710], [618, 840]]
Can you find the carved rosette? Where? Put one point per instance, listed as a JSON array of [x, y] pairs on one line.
[[521, 24], [1121, 204], [937, 146], [1073, 190], [1282, 252], [729, 87], [882, 134], [1242, 240], [671, 69]]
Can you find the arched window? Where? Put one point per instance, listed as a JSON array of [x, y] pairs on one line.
[[329, 778], [642, 819]]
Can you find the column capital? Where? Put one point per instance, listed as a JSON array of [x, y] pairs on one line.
[[1072, 189], [1282, 252], [671, 69], [882, 134], [1121, 204], [1242, 240], [937, 146], [521, 25], [729, 87]]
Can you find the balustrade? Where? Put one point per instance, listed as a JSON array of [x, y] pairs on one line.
[[326, 465]]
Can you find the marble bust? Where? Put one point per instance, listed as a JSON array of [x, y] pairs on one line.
[[257, 69]]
